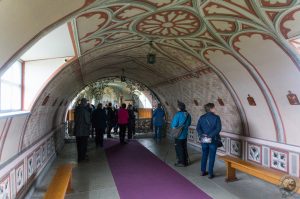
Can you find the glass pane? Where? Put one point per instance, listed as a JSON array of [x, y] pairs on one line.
[[10, 97], [13, 74], [16, 98]]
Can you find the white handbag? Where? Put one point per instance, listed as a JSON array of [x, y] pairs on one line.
[[204, 139]]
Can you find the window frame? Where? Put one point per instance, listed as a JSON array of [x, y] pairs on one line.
[[12, 84]]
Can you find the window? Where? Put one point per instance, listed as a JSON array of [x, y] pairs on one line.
[[11, 88]]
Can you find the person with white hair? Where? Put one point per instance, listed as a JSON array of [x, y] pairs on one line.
[[209, 127]]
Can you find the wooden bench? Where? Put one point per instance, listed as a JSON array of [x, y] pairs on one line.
[[61, 183], [260, 172]]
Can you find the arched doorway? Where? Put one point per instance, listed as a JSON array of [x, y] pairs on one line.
[[116, 91]]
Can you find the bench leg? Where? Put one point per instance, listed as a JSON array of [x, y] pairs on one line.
[[69, 189], [230, 173]]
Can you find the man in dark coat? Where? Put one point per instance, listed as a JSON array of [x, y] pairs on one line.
[[99, 119], [116, 127], [111, 120], [82, 128], [131, 121]]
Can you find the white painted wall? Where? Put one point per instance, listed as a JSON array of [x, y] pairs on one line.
[[259, 117], [280, 74], [36, 75], [23, 20], [56, 44]]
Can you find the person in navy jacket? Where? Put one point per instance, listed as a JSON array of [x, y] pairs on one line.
[[209, 125], [158, 122], [181, 118]]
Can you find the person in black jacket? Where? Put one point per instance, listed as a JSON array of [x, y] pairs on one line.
[[131, 121], [111, 119], [99, 119], [116, 127]]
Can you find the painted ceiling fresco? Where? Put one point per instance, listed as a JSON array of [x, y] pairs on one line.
[[186, 24], [183, 31]]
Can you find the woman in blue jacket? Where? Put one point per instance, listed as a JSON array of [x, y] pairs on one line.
[[209, 125], [181, 118]]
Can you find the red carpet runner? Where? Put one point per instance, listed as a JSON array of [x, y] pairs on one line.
[[139, 174]]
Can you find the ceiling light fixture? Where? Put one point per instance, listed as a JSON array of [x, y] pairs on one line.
[[151, 56], [123, 78]]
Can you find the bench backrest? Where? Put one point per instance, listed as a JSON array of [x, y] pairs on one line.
[[259, 170]]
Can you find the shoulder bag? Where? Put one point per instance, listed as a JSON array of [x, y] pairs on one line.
[[175, 132]]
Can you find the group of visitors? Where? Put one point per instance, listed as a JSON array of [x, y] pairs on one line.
[[105, 119], [102, 119], [208, 129]]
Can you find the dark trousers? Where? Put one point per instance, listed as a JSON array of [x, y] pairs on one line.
[[133, 127], [116, 128], [93, 132], [122, 132], [181, 151], [99, 136], [130, 130], [109, 128], [157, 132], [208, 151], [81, 142]]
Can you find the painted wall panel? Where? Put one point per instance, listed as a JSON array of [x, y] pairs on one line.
[[2, 125], [197, 92], [281, 75], [259, 117], [13, 137]]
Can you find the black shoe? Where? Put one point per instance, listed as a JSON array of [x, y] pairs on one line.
[[109, 136], [211, 176], [204, 173]]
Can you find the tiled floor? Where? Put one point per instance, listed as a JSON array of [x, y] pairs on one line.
[[93, 180]]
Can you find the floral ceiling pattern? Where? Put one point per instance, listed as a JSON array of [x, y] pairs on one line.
[[189, 25]]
